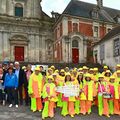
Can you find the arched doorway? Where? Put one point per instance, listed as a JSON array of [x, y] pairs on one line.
[[75, 51]]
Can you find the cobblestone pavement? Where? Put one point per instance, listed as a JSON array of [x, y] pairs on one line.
[[24, 113]]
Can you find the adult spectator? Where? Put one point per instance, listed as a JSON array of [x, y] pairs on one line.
[[11, 85], [21, 79]]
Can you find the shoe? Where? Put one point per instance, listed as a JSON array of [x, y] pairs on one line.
[[10, 105], [72, 116], [3, 102], [16, 106], [39, 110]]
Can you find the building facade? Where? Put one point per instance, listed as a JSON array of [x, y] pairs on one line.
[[107, 51], [25, 32], [78, 27]]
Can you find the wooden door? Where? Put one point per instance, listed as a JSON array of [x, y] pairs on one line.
[[75, 55], [19, 53]]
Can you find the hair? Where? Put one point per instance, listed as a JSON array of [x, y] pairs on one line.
[[106, 74], [79, 81], [66, 78], [86, 79]]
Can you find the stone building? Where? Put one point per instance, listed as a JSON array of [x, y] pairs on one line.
[[78, 27], [25, 32], [107, 51]]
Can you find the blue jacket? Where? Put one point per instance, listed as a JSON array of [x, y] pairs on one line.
[[11, 81]]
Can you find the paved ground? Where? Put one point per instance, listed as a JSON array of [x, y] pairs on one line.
[[24, 113]]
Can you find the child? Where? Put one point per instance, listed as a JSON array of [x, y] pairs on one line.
[[114, 100], [50, 97], [68, 102], [101, 89], [89, 90]]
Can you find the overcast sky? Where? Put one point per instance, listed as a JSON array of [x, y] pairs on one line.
[[60, 5]]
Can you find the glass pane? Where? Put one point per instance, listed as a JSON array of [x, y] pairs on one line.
[[19, 11], [75, 43]]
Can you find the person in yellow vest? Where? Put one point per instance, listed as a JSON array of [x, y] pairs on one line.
[[60, 81], [35, 86], [114, 107], [85, 70], [82, 96], [53, 68], [68, 102], [105, 68], [117, 68], [49, 96], [95, 74], [117, 76], [90, 91], [50, 72]]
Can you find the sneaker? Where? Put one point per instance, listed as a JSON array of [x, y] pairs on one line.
[[16, 106], [10, 105], [3, 102]]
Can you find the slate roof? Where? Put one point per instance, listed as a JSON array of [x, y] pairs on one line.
[[83, 9]]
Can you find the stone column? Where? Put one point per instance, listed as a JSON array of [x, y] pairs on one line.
[[10, 7], [3, 6]]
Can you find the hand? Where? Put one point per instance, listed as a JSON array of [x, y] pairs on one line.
[[1, 81]]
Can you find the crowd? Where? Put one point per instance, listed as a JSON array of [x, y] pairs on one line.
[[39, 89]]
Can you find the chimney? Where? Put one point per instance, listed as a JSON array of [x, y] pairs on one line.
[[100, 3]]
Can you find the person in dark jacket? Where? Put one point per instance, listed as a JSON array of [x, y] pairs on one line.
[[11, 85], [21, 79]]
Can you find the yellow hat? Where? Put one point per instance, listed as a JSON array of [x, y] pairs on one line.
[[23, 67], [108, 71], [118, 71], [49, 69], [88, 75], [80, 73], [55, 74], [91, 69], [118, 65], [52, 67], [112, 77], [50, 77], [37, 68], [105, 67], [62, 70], [85, 67], [80, 69], [95, 69], [67, 74], [101, 76], [56, 71]]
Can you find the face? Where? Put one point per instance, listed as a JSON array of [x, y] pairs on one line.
[[80, 77], [49, 80], [17, 66], [1, 71], [118, 74], [112, 80], [108, 74], [10, 71], [88, 79], [29, 67], [62, 74], [100, 79], [37, 72], [68, 77]]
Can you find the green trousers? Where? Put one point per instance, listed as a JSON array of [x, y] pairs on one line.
[[64, 109], [33, 104], [100, 105], [45, 110], [77, 107]]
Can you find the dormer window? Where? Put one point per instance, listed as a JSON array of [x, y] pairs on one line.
[[94, 13]]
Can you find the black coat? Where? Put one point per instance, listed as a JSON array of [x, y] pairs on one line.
[[22, 77]]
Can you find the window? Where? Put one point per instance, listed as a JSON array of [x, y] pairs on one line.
[[109, 29], [116, 47], [102, 52], [94, 14], [18, 10], [95, 31], [75, 27], [75, 44]]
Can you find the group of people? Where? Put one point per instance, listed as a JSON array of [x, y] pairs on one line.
[[40, 89]]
